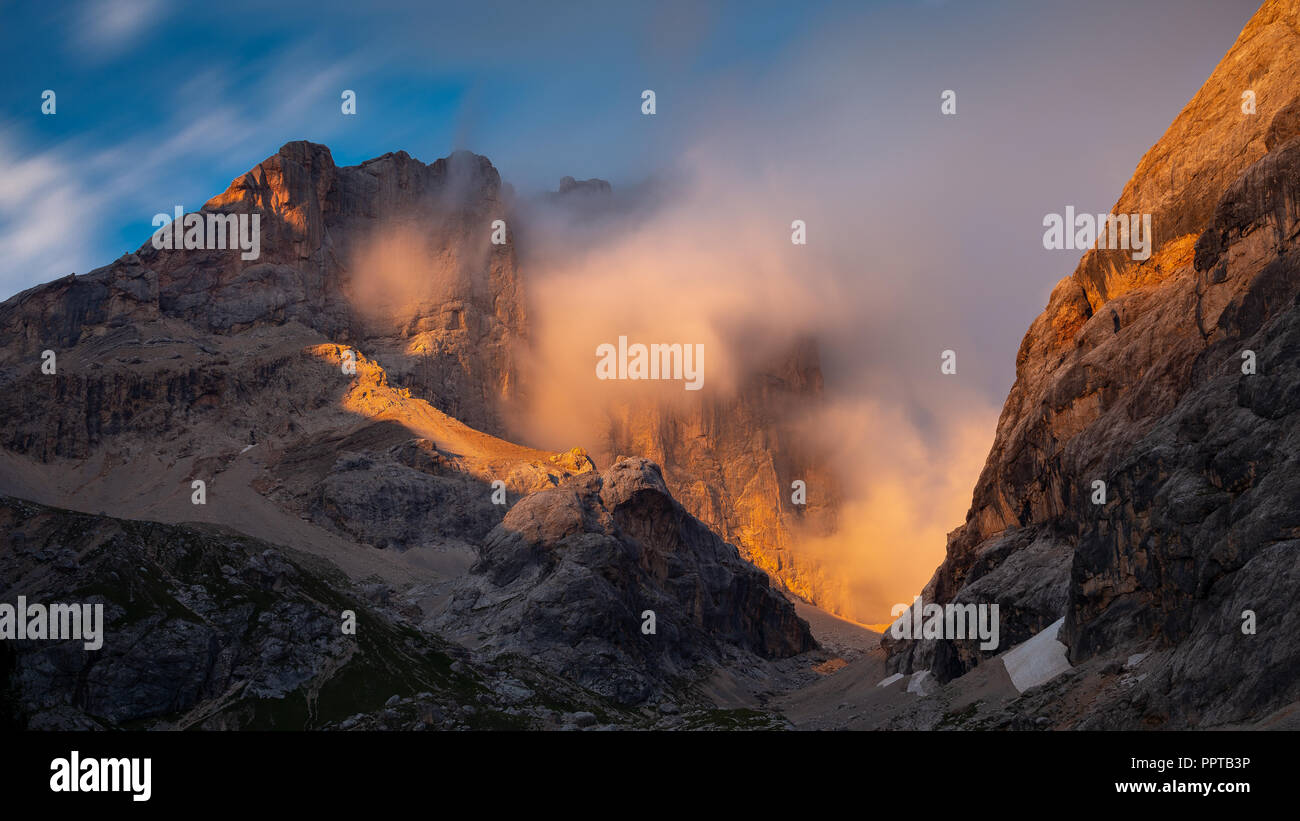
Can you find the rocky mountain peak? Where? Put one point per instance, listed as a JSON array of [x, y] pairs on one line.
[[392, 254], [568, 185]]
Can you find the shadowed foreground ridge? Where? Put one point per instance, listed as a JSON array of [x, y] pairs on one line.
[[209, 629], [570, 572]]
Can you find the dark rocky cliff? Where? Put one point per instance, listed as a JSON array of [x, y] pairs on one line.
[[1134, 376]]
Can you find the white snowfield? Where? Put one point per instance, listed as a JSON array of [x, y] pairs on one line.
[[885, 682], [1040, 659]]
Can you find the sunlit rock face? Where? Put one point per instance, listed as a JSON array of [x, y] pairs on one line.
[[1133, 376], [731, 462], [392, 255]]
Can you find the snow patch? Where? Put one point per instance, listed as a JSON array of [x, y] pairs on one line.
[[1040, 659], [1134, 660], [246, 447], [885, 682]]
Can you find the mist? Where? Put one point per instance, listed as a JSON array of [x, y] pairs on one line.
[[703, 254]]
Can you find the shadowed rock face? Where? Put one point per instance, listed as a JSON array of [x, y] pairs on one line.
[[202, 628], [1133, 376], [569, 573]]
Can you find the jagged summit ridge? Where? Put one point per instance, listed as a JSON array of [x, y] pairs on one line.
[[392, 255]]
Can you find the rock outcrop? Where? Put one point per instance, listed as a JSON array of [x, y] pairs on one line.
[[568, 185], [576, 575]]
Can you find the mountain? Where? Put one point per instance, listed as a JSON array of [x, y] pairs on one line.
[[230, 453], [393, 256], [1139, 375], [325, 422]]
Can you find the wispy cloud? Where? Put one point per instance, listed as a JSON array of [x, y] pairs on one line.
[[42, 213], [63, 206], [107, 27]]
